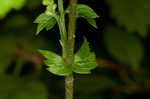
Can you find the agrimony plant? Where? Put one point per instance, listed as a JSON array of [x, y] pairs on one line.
[[83, 61]]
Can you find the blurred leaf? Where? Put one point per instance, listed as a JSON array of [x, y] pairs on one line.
[[7, 5], [47, 2], [16, 22], [33, 4], [124, 47], [44, 21], [11, 88], [84, 60], [133, 14], [55, 63], [86, 12]]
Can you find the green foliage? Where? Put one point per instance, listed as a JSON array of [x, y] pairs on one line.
[[133, 14], [56, 63], [11, 88], [92, 22], [7, 5], [44, 21], [48, 2], [108, 80], [51, 7], [86, 12], [85, 60], [124, 47]]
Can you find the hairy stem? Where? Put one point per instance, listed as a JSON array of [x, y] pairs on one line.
[[67, 42], [69, 87], [70, 48]]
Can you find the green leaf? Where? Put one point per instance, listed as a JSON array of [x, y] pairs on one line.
[[86, 12], [92, 22], [132, 14], [85, 60], [7, 5], [124, 47], [55, 63], [44, 21]]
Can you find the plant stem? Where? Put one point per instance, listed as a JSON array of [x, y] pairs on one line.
[[70, 48], [69, 87], [67, 40], [62, 27]]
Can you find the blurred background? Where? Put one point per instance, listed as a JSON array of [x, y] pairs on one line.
[[121, 44]]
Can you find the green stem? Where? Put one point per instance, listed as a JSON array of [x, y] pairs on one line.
[[67, 40], [62, 27], [70, 48], [69, 87]]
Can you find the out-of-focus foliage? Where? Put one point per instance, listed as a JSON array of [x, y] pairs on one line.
[[124, 47], [11, 88], [19, 35], [33, 4], [133, 14], [7, 5]]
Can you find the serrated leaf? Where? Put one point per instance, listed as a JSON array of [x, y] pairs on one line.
[[55, 63], [44, 21], [85, 60], [124, 47], [7, 5], [86, 12], [133, 14]]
